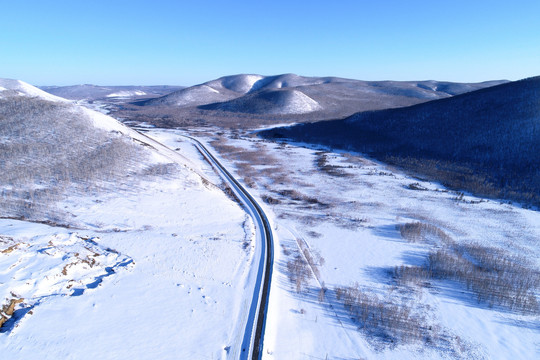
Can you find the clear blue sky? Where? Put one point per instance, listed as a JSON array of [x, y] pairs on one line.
[[119, 42]]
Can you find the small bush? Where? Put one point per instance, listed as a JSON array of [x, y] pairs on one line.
[[229, 192], [298, 196], [270, 200], [325, 167], [299, 272], [416, 186], [418, 231]]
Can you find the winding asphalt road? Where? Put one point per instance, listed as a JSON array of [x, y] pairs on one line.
[[252, 342]]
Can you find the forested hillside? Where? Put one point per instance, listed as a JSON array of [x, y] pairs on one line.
[[486, 141]]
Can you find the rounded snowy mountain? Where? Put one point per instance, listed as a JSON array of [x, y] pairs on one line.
[[271, 101]]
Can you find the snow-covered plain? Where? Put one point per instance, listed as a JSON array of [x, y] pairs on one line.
[[349, 212]]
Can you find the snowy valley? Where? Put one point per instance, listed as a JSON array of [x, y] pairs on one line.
[[120, 238]]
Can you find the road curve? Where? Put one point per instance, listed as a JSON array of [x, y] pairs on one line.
[[252, 342]]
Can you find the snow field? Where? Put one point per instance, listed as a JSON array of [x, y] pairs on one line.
[[182, 297], [354, 226]]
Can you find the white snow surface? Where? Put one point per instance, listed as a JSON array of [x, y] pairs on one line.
[[288, 101], [240, 83], [168, 282], [67, 263], [196, 95], [299, 103], [358, 238], [126, 93], [180, 250]]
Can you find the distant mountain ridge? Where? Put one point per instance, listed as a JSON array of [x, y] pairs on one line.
[[486, 141], [290, 94], [96, 92]]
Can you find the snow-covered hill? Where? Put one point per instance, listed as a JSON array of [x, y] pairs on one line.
[[272, 101], [243, 83], [256, 94], [192, 96], [10, 87]]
